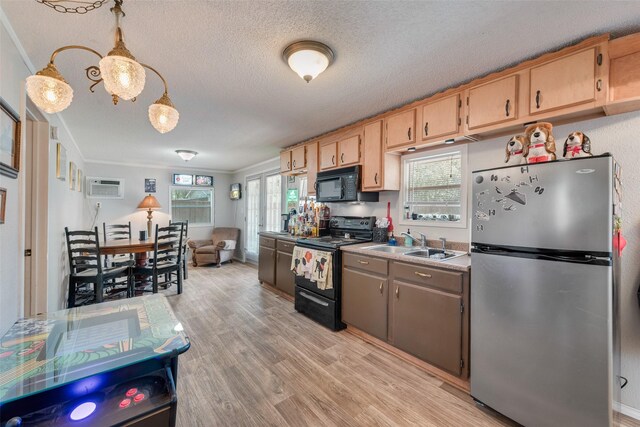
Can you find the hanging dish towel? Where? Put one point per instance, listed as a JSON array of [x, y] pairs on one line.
[[322, 271], [302, 261]]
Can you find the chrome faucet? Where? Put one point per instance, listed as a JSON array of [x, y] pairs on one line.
[[423, 241], [444, 242]]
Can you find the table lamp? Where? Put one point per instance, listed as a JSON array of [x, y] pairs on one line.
[[149, 203]]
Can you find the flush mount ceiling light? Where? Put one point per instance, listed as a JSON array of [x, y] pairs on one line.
[[308, 58], [186, 154], [123, 78]]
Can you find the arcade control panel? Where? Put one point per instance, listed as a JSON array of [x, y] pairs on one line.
[[123, 397]]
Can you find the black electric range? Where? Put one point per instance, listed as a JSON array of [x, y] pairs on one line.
[[324, 305]]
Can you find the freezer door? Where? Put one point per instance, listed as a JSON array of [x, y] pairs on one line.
[[541, 340], [563, 205]]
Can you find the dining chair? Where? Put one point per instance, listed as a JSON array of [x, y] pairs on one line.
[[117, 232], [185, 247], [86, 268], [167, 259]]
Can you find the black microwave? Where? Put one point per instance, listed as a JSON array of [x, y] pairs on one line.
[[342, 185]]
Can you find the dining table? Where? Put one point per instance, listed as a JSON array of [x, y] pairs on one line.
[[139, 249]]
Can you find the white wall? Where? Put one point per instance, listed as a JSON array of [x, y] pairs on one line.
[[124, 210]]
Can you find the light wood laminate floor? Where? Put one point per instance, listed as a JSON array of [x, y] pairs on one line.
[[254, 361]]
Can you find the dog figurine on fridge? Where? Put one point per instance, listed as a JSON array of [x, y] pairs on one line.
[[515, 150], [541, 144], [577, 145]]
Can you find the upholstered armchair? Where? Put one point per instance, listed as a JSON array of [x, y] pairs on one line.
[[217, 250]]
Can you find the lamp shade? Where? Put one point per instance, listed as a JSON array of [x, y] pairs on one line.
[[308, 58], [49, 91], [122, 76], [149, 202], [163, 115]]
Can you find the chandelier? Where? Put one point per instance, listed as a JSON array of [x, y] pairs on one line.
[[122, 75]]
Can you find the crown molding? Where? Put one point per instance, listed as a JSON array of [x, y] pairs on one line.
[[166, 167]]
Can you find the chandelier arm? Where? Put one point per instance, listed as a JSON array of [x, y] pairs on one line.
[[69, 47], [166, 87]]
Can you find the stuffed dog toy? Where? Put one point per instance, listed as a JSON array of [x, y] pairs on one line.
[[541, 146], [577, 145], [515, 150]]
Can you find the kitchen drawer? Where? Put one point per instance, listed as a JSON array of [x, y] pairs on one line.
[[267, 242], [412, 273], [363, 262], [286, 246]]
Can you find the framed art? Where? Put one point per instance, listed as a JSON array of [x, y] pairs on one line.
[[80, 179], [61, 162], [182, 179], [9, 141], [3, 204], [204, 180], [73, 176], [149, 185]]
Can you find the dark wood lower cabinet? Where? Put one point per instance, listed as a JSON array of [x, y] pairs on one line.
[[364, 302], [427, 323], [267, 265], [285, 280]]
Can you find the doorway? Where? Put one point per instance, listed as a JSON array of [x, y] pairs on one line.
[[264, 206]]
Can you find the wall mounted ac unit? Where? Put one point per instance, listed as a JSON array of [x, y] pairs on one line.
[[105, 188]]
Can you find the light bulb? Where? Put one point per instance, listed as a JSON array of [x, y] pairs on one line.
[[50, 94], [124, 79], [122, 76]]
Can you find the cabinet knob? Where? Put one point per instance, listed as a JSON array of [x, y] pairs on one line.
[[397, 292], [538, 99], [506, 107], [375, 178], [381, 286], [428, 276], [409, 134], [288, 165], [363, 262], [342, 158], [294, 163], [426, 129], [599, 85], [333, 159]]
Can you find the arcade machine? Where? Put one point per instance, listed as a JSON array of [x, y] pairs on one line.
[[107, 364]]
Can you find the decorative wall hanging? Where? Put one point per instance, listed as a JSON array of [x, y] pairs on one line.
[[61, 161], [182, 179], [236, 191], [3, 204], [204, 180], [73, 176], [122, 75], [80, 179], [9, 141], [149, 185]]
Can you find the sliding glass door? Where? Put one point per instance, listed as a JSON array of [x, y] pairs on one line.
[[264, 205]]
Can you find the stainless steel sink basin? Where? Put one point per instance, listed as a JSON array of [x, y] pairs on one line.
[[389, 249], [435, 254]]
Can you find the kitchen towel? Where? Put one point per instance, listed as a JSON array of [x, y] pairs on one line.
[[313, 265]]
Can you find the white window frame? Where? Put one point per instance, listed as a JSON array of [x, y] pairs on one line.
[[463, 187], [190, 187]]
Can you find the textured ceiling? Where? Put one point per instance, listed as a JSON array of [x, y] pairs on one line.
[[239, 103]]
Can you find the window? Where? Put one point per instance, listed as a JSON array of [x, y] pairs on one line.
[[434, 191], [193, 204], [273, 202]]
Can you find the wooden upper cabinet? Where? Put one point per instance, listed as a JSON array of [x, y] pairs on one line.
[[492, 103], [564, 82], [298, 158], [312, 167], [285, 161], [441, 118], [401, 128], [372, 165], [328, 156], [349, 151]]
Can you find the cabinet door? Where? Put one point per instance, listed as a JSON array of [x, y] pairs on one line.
[[298, 158], [267, 265], [328, 153], [401, 129], [372, 164], [440, 118], [364, 302], [563, 83], [285, 280], [428, 324], [493, 103], [285, 161], [350, 151], [312, 167]]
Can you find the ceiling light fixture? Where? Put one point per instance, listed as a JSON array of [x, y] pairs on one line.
[[308, 58], [122, 75], [186, 154]]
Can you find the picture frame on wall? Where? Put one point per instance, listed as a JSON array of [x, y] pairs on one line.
[[3, 204], [149, 185], [204, 181], [80, 180], [73, 176], [9, 140], [61, 162], [182, 179]]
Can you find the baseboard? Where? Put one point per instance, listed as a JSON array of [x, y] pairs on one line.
[[630, 411]]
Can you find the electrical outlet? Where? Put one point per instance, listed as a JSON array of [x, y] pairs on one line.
[[98, 205]]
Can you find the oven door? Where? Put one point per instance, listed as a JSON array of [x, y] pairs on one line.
[[330, 189]]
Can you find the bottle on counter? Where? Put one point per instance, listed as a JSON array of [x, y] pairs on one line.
[[392, 240]]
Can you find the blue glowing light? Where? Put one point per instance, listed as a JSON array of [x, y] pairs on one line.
[[82, 411]]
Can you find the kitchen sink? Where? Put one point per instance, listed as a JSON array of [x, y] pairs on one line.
[[435, 254], [389, 249]]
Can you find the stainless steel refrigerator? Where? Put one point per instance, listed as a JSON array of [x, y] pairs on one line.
[[544, 310]]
